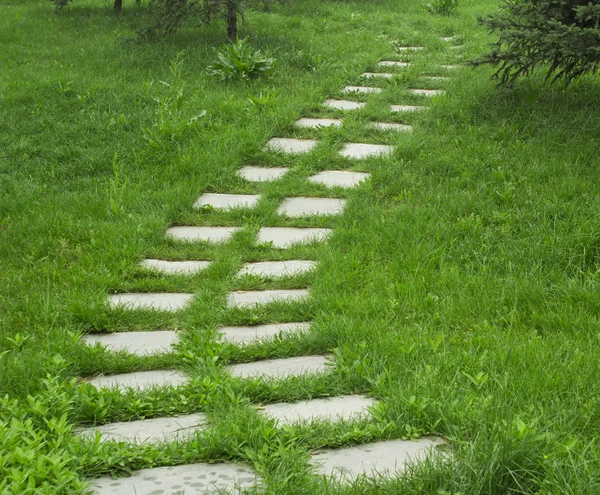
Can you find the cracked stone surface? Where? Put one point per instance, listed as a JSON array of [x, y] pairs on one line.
[[361, 89], [406, 108], [390, 126], [197, 479], [284, 237], [281, 368], [313, 123], [427, 92], [262, 174], [167, 301], [346, 407], [137, 343], [290, 145], [393, 63], [277, 268], [141, 380], [246, 335], [359, 151], [339, 178], [376, 460], [202, 234], [175, 267], [227, 201], [149, 430], [344, 104], [249, 299], [371, 75], [305, 207]]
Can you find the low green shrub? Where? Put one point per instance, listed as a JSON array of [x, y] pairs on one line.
[[239, 61]]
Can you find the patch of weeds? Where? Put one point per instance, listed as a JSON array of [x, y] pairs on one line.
[[239, 61], [442, 7]]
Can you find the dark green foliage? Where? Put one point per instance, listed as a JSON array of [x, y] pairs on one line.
[[442, 7], [562, 35]]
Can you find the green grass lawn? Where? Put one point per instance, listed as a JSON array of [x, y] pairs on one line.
[[461, 286]]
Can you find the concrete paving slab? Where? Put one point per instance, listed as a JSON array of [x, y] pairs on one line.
[[361, 90], [449, 67], [436, 78], [227, 201], [281, 368], [306, 207], [339, 178], [148, 430], [249, 299], [196, 479], [392, 126], [393, 63], [272, 269], [284, 237], [141, 380], [315, 123], [137, 343], [290, 145], [344, 104], [262, 174], [409, 48], [359, 151], [372, 75], [447, 38], [175, 267], [427, 92], [202, 234], [406, 108], [167, 301], [246, 335]]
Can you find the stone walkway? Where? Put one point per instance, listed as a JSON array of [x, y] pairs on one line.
[[378, 459]]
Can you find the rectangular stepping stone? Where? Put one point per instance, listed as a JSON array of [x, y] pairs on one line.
[[436, 78], [175, 267], [346, 407], [262, 174], [447, 38], [314, 123], [371, 75], [385, 126], [359, 151], [305, 207], [281, 368], [375, 460], [202, 234], [246, 335], [427, 92], [141, 380], [361, 89], [290, 145], [201, 479], [158, 301], [148, 430], [137, 343], [408, 48], [406, 108], [227, 201], [277, 268], [284, 237], [339, 178], [344, 104], [249, 299], [449, 67], [393, 63]]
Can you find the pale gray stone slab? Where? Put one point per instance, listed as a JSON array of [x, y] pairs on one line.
[[284, 237], [375, 460], [227, 201], [277, 268], [359, 151], [361, 89], [391, 126], [393, 63], [339, 178], [137, 343], [409, 48], [249, 299], [314, 123], [141, 380], [246, 335], [305, 207], [447, 38], [189, 479], [346, 407], [262, 174], [202, 234], [281, 368], [437, 78], [427, 92], [291, 145], [167, 301], [148, 430], [175, 267], [344, 104], [406, 108], [371, 75], [449, 67]]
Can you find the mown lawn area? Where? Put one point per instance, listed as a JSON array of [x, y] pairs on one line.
[[460, 287]]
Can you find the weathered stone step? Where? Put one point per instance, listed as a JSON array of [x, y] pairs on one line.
[[371, 75], [344, 104], [148, 430], [291, 145], [359, 151], [406, 108], [284, 237], [346, 407], [202, 234], [167, 301], [204, 479], [306, 207], [339, 178], [314, 123], [262, 174], [249, 299], [391, 126], [277, 268], [141, 380], [246, 335], [137, 343], [175, 267], [393, 63], [428, 92], [227, 201], [361, 89], [375, 460], [281, 368]]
